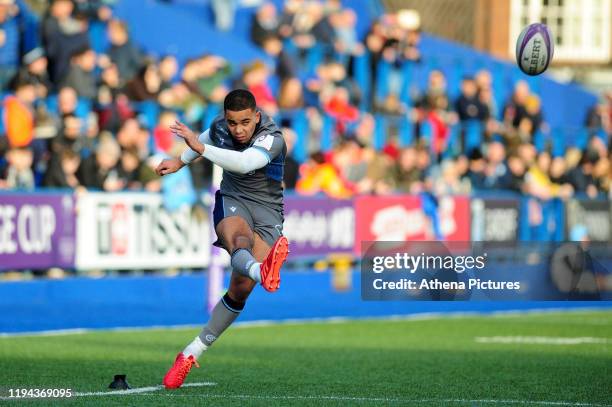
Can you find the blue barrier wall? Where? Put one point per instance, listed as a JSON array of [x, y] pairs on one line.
[[148, 301]]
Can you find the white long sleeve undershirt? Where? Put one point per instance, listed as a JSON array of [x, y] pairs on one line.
[[240, 162]]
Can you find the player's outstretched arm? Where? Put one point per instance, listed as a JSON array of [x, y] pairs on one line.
[[169, 166]]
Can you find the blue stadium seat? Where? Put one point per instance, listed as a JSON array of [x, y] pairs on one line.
[[300, 126], [380, 132], [406, 132], [362, 74], [327, 133], [473, 134]]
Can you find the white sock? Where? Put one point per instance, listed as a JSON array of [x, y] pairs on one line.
[[254, 272], [195, 348]]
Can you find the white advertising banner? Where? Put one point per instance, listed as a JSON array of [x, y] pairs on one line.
[[135, 231]]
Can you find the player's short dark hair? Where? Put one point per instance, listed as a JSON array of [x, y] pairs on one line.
[[239, 99]]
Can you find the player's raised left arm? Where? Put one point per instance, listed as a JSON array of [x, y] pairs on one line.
[[241, 162]]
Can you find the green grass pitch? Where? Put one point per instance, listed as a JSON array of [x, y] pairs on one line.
[[421, 362]]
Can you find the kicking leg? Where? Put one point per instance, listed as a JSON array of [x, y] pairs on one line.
[[229, 307]]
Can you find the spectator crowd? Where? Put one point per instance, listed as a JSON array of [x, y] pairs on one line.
[[84, 107]]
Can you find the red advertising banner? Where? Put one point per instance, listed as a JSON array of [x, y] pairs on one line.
[[402, 218]]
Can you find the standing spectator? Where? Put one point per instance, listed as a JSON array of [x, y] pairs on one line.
[[468, 105], [123, 52], [62, 36], [224, 11], [35, 69], [344, 24], [265, 23], [285, 65], [9, 42], [81, 74]]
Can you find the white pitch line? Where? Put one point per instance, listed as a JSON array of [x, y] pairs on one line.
[[334, 319], [392, 400], [138, 390], [542, 340]]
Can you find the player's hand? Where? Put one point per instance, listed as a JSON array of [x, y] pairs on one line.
[[169, 166], [191, 139]]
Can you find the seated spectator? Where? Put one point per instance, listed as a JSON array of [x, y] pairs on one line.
[[132, 135], [168, 70], [98, 171], [18, 114], [211, 72], [67, 101], [484, 82], [162, 135], [62, 170], [319, 176], [146, 85], [348, 158], [265, 23], [123, 52], [476, 172], [517, 169], [255, 78], [406, 175], [497, 175], [19, 174], [582, 177], [81, 76], [291, 94], [339, 107], [523, 105], [135, 174], [112, 106], [539, 184], [449, 181], [527, 152], [76, 134]]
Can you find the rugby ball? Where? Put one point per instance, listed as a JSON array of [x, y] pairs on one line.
[[534, 49]]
